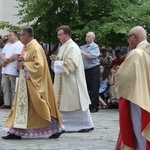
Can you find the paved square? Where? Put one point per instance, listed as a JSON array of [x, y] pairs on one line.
[[103, 137]]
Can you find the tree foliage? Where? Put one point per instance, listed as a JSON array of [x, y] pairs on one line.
[[110, 20]]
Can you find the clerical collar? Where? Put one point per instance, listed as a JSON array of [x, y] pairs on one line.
[[67, 41], [30, 42], [64, 44], [141, 43]]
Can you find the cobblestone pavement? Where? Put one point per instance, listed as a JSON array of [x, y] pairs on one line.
[[103, 137]]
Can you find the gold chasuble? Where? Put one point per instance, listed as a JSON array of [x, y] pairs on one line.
[[41, 98], [133, 80]]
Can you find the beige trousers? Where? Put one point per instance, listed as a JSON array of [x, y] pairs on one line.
[[8, 83]]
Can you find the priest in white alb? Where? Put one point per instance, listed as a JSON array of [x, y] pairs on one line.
[[70, 85]]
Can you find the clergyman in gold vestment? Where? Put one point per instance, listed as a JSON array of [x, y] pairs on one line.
[[133, 86], [34, 112]]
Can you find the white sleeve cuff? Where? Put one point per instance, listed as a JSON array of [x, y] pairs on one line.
[[58, 67]]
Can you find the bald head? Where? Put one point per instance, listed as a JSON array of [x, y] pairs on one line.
[[90, 37], [92, 34], [139, 31], [136, 35]]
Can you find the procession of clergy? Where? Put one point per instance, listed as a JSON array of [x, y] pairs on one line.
[[39, 108]]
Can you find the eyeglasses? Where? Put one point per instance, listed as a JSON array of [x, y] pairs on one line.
[[22, 34], [60, 34], [129, 36]]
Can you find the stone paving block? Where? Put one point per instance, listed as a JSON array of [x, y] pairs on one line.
[[103, 137]]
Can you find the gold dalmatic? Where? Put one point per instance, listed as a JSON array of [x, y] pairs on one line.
[[21, 114]]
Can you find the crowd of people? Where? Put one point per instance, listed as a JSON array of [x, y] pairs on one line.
[[109, 66], [86, 78]]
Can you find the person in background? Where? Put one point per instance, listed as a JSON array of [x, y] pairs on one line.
[[34, 112], [103, 89], [105, 60], [118, 60], [1, 48], [111, 52], [113, 96], [70, 85], [1, 38], [133, 86], [54, 50], [9, 68], [90, 55], [78, 41], [1, 64], [5, 40]]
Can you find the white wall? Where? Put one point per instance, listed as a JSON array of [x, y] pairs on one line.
[[7, 13]]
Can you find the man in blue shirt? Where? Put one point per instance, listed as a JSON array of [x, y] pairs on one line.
[[90, 54]]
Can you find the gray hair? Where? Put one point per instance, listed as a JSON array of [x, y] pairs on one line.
[[140, 31], [92, 34], [28, 30]]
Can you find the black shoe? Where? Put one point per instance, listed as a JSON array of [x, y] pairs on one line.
[[94, 110], [5, 107], [56, 135], [11, 136], [86, 130]]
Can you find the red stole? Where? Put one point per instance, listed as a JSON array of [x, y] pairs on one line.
[[23, 52]]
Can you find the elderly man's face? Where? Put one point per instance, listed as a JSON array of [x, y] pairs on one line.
[[132, 40], [89, 38]]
